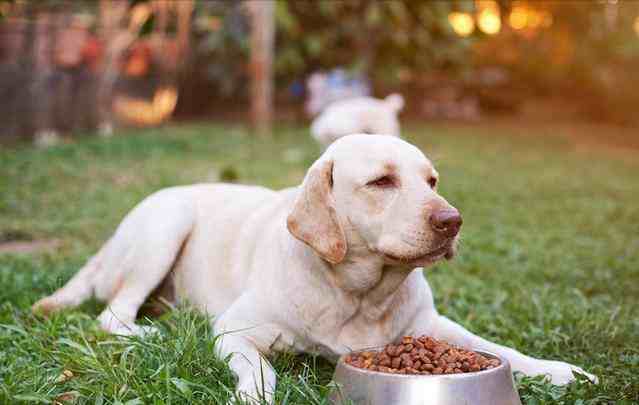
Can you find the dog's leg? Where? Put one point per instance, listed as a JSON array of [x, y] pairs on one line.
[[244, 334], [148, 264], [74, 292], [255, 376], [440, 327], [119, 315], [132, 263]]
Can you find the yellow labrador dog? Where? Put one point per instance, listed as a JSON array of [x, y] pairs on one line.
[[332, 265], [360, 114]]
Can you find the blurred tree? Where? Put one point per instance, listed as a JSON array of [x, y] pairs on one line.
[[587, 50], [262, 36], [217, 67], [385, 40], [382, 39], [576, 46]]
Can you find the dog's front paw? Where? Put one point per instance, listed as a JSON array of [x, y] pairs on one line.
[[561, 373], [112, 323], [247, 393]]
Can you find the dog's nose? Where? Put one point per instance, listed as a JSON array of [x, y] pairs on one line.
[[446, 222]]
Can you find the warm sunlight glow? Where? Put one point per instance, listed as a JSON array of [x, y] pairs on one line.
[[140, 14], [462, 23], [523, 17], [546, 19], [518, 18], [164, 101], [142, 112], [636, 25], [489, 21], [482, 5], [535, 19]]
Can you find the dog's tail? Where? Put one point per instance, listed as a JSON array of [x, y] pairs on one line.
[[395, 101]]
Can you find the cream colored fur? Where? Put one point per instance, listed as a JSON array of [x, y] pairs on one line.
[[358, 115]]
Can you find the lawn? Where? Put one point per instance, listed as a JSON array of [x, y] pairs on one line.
[[548, 264]]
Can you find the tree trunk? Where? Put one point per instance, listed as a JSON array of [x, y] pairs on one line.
[[261, 64], [115, 42]]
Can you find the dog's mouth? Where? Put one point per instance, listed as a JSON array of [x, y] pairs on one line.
[[446, 251]]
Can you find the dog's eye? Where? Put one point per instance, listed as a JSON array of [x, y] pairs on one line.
[[383, 182], [432, 182]]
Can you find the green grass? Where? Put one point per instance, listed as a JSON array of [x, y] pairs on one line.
[[548, 261]]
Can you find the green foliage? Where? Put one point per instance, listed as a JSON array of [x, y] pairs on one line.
[[547, 263], [380, 38], [221, 50], [585, 53]]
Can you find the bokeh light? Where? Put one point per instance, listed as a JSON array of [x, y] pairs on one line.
[[535, 20], [518, 18], [462, 23], [489, 21]]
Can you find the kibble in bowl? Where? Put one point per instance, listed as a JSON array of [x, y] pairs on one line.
[[420, 371], [421, 355]]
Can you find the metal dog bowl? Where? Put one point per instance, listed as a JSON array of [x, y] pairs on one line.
[[363, 387]]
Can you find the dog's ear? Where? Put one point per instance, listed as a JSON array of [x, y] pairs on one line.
[[395, 101], [314, 219]]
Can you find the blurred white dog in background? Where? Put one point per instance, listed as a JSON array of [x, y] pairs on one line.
[[358, 115]]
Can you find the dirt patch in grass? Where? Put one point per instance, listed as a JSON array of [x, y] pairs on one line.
[[14, 241], [31, 246]]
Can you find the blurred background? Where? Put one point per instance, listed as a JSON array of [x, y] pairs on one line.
[[91, 67]]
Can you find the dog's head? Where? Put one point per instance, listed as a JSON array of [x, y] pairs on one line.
[[379, 193]]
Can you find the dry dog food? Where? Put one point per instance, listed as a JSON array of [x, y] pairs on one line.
[[423, 355]]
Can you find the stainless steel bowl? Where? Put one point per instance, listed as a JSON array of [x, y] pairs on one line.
[[363, 387]]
